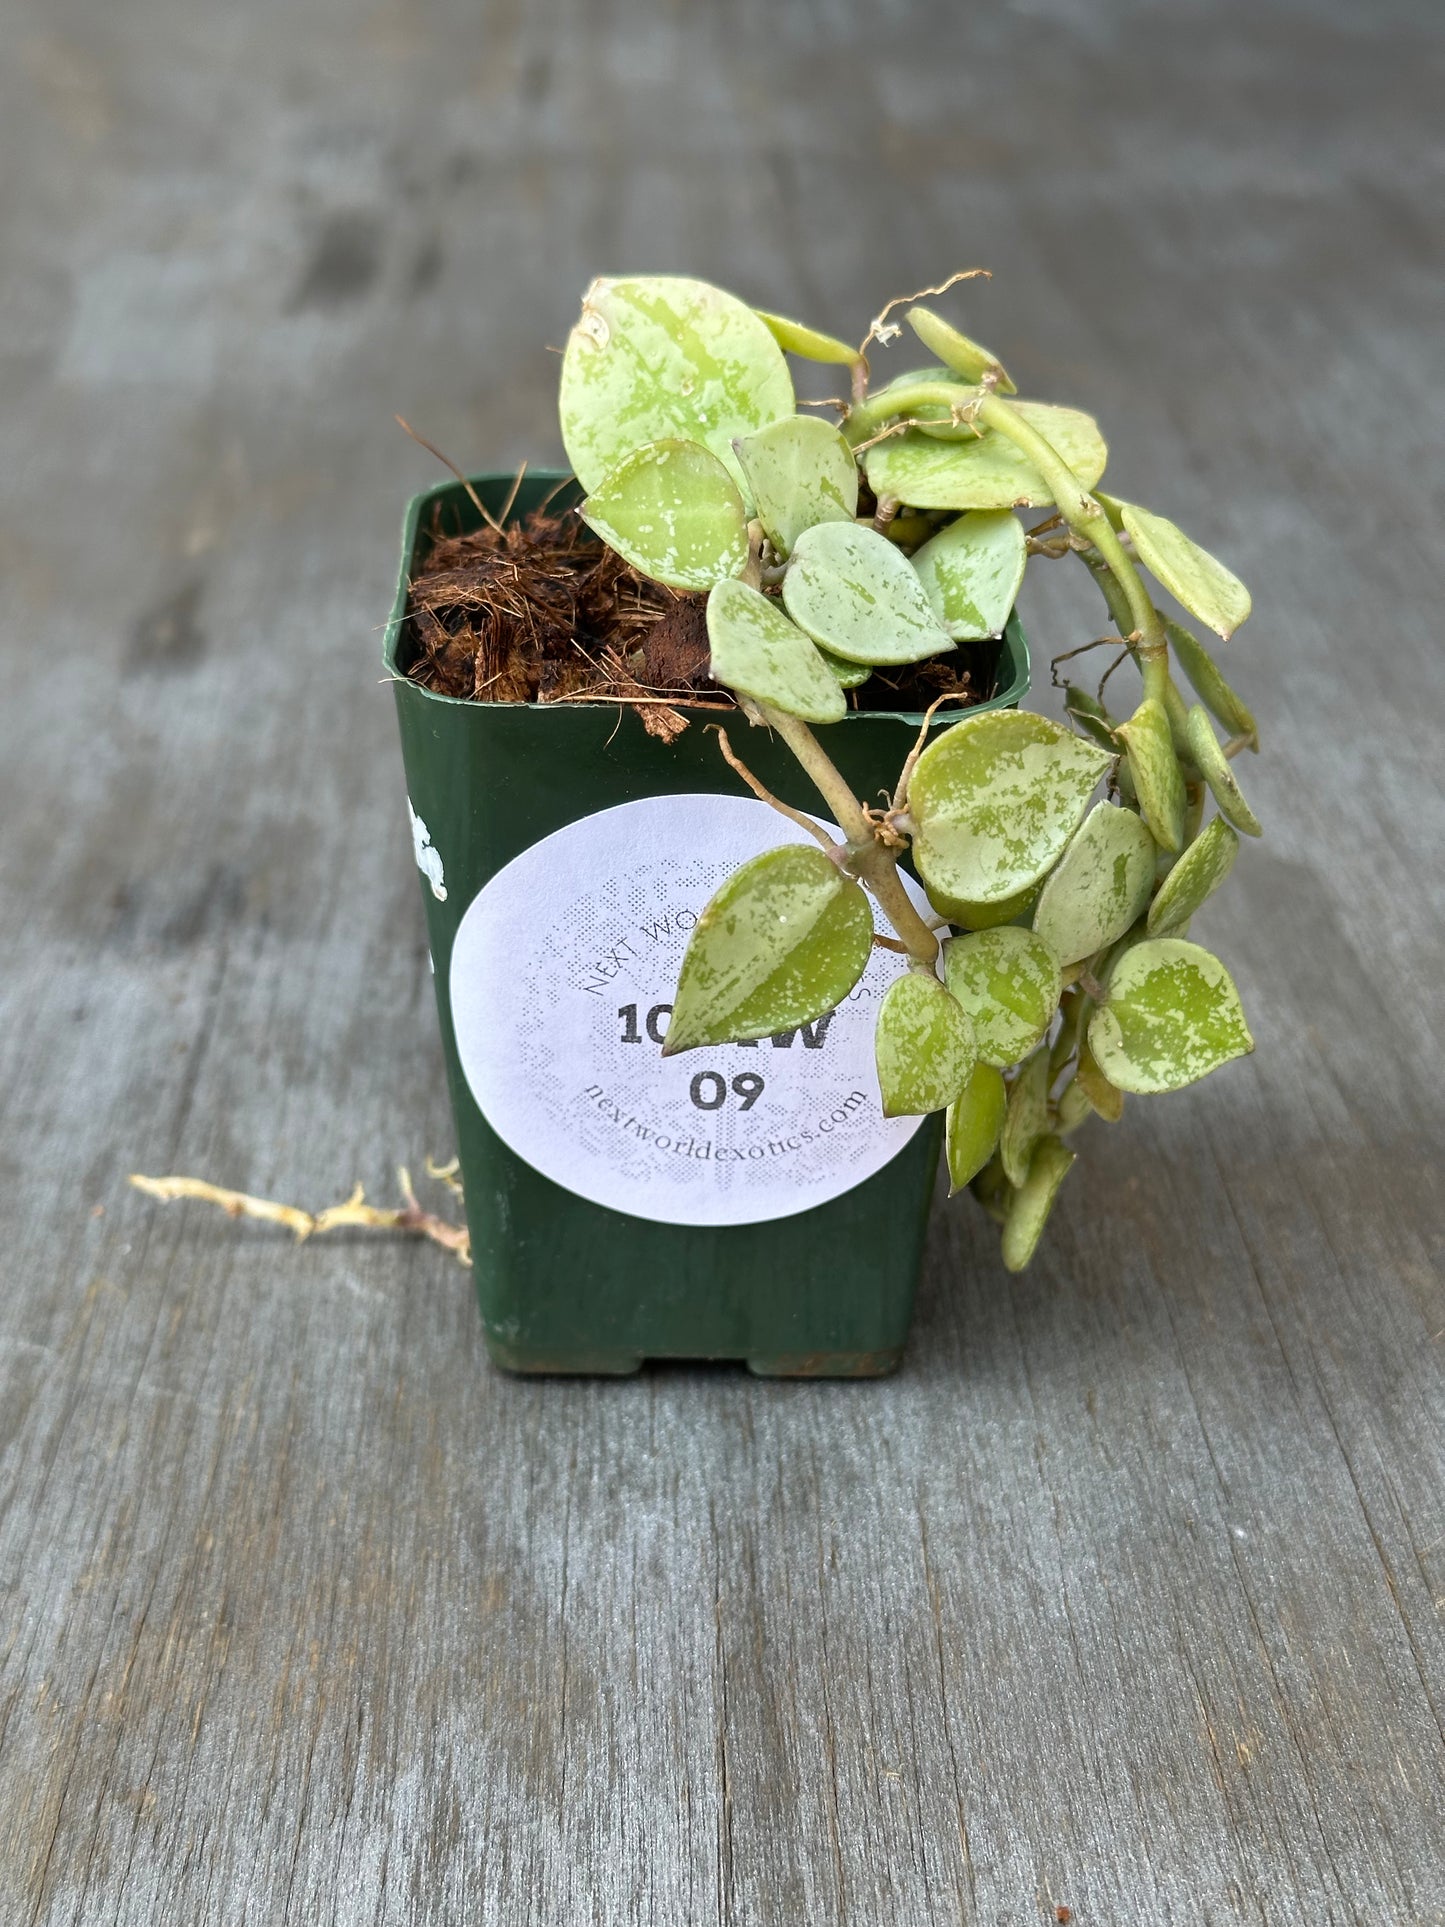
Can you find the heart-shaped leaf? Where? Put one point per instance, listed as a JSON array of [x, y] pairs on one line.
[[1210, 687], [975, 1119], [1009, 982], [758, 652], [1154, 768], [1100, 886], [807, 343], [956, 351], [1108, 1102], [671, 510], [1030, 1205], [924, 1044], [1027, 1118], [658, 357], [783, 941], [987, 471], [801, 472], [859, 598], [995, 798], [1173, 1016], [1215, 768], [971, 572], [1191, 574], [1194, 878]]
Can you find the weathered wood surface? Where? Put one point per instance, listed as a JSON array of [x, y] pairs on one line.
[[1129, 1593]]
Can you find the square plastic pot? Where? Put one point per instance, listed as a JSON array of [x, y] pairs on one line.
[[564, 1284]]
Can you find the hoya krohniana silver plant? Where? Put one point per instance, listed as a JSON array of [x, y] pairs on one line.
[[1055, 973]]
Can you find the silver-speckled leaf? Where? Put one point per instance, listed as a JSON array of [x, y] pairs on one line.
[[987, 471], [1027, 1118], [1100, 885], [1194, 878], [671, 510], [801, 472], [1210, 687], [759, 653], [1029, 1206], [995, 799], [967, 358], [975, 1119], [1154, 768], [783, 941], [1215, 768], [859, 598], [807, 343], [1173, 1016], [924, 1046], [657, 356], [1009, 982], [1191, 574], [971, 572]]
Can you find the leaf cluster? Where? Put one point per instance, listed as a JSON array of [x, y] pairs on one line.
[[1062, 862]]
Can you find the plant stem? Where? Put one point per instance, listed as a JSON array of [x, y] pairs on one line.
[[903, 399], [1084, 515], [848, 812], [870, 861]]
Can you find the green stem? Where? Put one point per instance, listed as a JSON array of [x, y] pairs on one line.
[[870, 861], [1084, 515], [903, 399]]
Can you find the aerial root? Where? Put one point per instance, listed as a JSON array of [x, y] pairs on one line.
[[354, 1214]]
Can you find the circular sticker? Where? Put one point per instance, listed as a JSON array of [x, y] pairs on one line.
[[562, 977]]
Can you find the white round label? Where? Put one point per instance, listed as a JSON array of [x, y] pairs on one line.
[[562, 977]]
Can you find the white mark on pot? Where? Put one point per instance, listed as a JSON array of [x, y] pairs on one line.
[[428, 860]]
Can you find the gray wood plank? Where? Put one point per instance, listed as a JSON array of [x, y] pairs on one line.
[[1127, 1594]]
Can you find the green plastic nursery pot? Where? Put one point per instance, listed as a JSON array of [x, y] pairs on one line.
[[746, 1203]]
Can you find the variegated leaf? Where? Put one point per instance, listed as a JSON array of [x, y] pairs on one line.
[[985, 471], [1194, 878], [1173, 1015], [783, 941], [800, 472], [971, 572], [759, 653], [671, 510], [995, 798], [859, 598], [658, 357], [1009, 982], [924, 1045], [1100, 885]]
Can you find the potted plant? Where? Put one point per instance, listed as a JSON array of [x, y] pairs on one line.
[[710, 995]]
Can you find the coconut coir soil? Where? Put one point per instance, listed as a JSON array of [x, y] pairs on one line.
[[542, 612]]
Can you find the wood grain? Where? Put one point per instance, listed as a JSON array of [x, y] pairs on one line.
[[1128, 1594]]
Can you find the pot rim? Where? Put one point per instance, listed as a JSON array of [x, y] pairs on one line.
[[1014, 649]]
